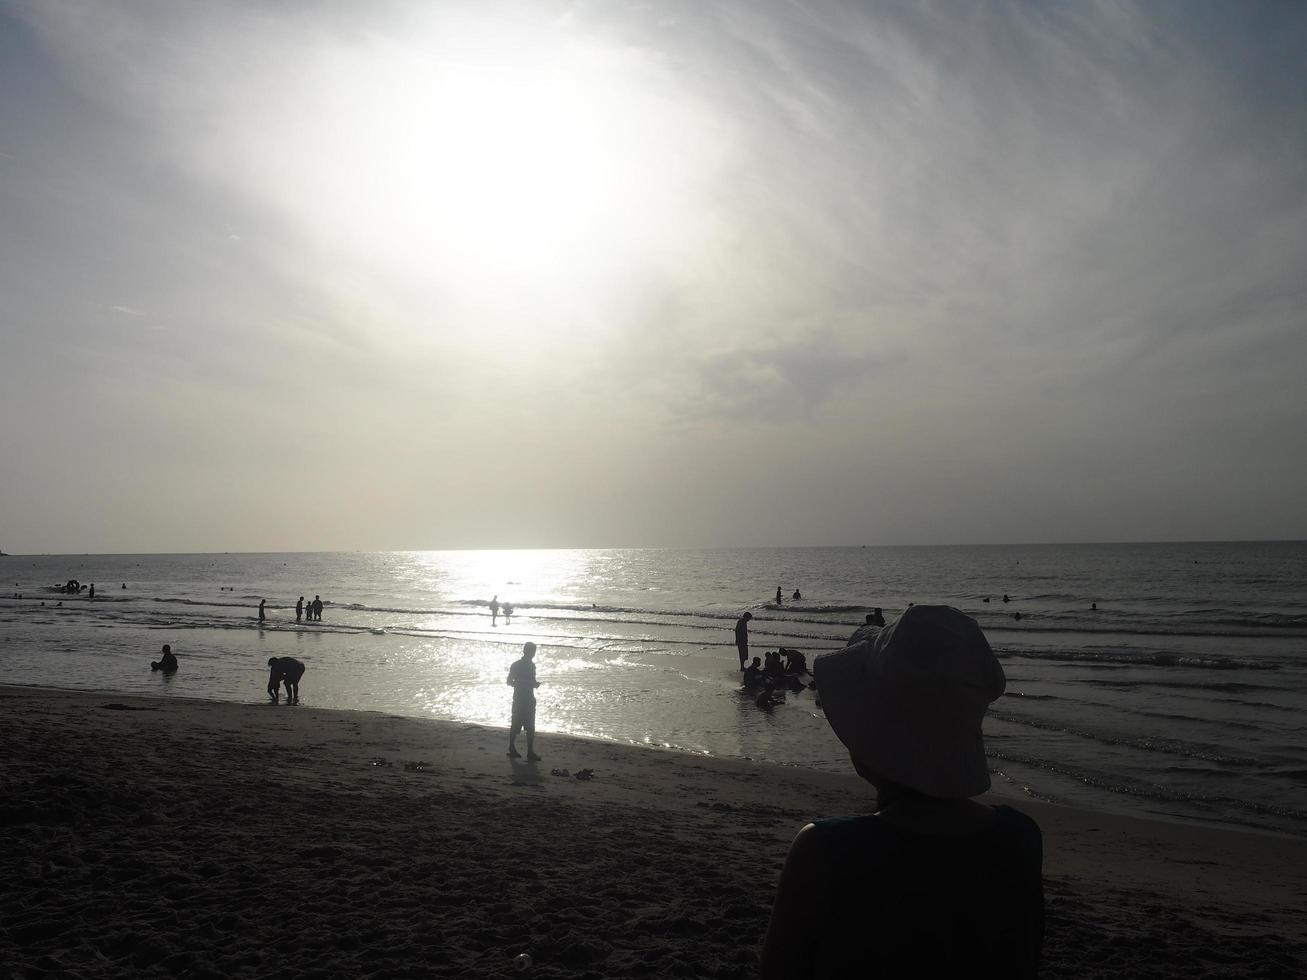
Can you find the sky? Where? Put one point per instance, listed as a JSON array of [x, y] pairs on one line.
[[399, 275]]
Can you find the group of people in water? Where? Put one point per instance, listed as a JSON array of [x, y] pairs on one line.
[[283, 671], [496, 607], [304, 611], [313, 609]]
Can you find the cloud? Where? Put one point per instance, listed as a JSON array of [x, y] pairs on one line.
[[1005, 233]]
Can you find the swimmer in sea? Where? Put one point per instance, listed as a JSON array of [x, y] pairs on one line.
[[166, 663]]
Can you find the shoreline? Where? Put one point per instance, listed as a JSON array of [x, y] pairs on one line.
[[193, 836]]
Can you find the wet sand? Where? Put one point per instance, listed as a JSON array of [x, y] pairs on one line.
[[193, 838]]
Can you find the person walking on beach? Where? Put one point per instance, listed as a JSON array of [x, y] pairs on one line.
[[317, 608], [299, 609], [494, 610], [957, 883], [522, 679], [288, 671], [742, 638], [261, 616]]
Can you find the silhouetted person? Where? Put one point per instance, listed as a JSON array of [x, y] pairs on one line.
[[92, 593], [797, 595], [288, 671], [753, 673], [494, 610], [166, 663], [262, 617], [1017, 616], [742, 638], [768, 698], [1005, 598], [299, 609], [868, 629], [772, 667], [317, 607], [1093, 605], [779, 600], [522, 679], [124, 585], [933, 883], [795, 662], [508, 611]]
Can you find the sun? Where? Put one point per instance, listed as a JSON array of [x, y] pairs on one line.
[[518, 167], [499, 190]]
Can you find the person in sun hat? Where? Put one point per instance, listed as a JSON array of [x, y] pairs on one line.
[[932, 882]]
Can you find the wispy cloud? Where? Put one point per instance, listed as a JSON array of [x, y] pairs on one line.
[[999, 233]]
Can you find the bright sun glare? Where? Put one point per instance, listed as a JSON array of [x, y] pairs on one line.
[[548, 174]]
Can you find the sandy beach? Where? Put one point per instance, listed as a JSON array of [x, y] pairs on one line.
[[205, 839]]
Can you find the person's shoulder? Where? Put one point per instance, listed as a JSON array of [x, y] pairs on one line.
[[1015, 819], [1021, 831]]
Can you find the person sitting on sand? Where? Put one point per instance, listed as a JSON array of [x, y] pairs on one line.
[[933, 883], [753, 673], [772, 666], [522, 679], [285, 670], [166, 663]]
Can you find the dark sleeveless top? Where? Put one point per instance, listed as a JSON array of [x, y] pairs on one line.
[[904, 904]]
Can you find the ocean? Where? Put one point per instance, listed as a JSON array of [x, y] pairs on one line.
[[1182, 696]]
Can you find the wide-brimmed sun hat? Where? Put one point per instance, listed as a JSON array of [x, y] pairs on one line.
[[909, 702]]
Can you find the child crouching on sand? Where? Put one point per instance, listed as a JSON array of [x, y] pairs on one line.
[[933, 883]]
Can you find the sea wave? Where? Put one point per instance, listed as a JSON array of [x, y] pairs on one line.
[[1166, 746], [1226, 808]]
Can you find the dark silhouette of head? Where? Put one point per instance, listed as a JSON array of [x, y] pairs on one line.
[[747, 615], [529, 650]]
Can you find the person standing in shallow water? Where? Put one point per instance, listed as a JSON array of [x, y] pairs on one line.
[[522, 679], [317, 607], [299, 609], [494, 610], [262, 617], [742, 638]]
